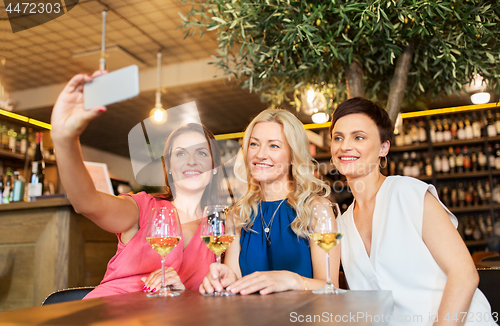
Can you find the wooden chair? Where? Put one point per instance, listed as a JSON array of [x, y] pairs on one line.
[[71, 294], [480, 255]]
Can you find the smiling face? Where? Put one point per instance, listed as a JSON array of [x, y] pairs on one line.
[[268, 154], [190, 162], [356, 146]]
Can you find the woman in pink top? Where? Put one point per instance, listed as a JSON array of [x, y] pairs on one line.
[[191, 161]]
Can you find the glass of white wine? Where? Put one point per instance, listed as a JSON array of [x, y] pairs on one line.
[[323, 231], [217, 232], [163, 234]]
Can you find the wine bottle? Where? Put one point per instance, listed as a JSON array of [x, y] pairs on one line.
[[414, 133], [491, 130], [23, 141], [473, 159], [428, 166], [476, 126], [437, 163], [446, 130], [407, 132], [445, 196], [459, 160], [497, 122], [469, 194], [454, 197], [445, 162], [468, 229], [432, 131], [454, 129], [407, 165], [461, 130], [469, 132], [480, 193], [491, 156], [422, 134], [497, 156], [461, 194], [7, 188], [4, 140], [35, 187], [12, 139], [439, 131], [467, 159], [452, 160], [476, 232], [487, 192]]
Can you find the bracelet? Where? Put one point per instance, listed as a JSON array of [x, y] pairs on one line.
[[305, 283]]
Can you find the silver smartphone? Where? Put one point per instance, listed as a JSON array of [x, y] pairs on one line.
[[110, 88]]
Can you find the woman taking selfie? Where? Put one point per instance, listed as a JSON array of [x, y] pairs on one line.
[[272, 251], [398, 236], [191, 165]]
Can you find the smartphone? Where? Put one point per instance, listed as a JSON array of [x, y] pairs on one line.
[[110, 88]]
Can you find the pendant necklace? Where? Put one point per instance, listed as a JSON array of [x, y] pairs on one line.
[[267, 227]]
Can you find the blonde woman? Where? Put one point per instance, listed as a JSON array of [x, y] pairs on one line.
[[272, 251]]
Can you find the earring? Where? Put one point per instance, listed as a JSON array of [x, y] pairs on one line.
[[385, 165], [331, 161], [215, 172], [169, 172]]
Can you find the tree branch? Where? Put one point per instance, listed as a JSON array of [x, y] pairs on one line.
[[399, 81]]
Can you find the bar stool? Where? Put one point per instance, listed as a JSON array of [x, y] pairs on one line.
[[71, 294]]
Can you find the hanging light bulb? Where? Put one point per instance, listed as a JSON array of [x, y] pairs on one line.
[[320, 117], [158, 113], [480, 98]]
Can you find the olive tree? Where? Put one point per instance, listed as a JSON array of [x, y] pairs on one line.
[[386, 50]]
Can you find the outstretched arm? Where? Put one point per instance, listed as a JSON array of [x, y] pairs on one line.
[[69, 119]]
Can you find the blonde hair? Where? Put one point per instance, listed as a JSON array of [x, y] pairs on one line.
[[304, 184]]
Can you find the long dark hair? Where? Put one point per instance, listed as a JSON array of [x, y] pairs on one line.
[[213, 192]]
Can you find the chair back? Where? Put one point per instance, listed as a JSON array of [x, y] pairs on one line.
[[489, 283], [71, 294]]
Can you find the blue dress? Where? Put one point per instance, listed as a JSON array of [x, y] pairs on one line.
[[286, 252]]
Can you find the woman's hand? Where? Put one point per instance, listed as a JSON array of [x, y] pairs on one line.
[[267, 282], [152, 283], [69, 118], [217, 278]]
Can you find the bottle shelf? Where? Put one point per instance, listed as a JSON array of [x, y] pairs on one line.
[[476, 174], [469, 209], [459, 142], [10, 154], [472, 243], [406, 148]]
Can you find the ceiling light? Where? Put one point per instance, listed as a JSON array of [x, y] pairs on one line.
[[158, 113], [320, 117], [480, 98]]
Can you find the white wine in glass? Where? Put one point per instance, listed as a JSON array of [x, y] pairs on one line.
[[217, 232], [163, 234], [323, 231]]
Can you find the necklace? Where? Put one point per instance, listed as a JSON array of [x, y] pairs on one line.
[[267, 228]]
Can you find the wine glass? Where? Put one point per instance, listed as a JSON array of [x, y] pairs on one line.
[[323, 231], [163, 234], [217, 232]]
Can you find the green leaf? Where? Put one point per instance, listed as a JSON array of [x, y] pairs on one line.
[[217, 19], [491, 58]]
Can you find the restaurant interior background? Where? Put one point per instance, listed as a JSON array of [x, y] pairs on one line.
[[37, 63]]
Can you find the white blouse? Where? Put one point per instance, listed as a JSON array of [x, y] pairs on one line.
[[399, 259]]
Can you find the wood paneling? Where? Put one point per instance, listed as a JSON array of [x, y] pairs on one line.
[[46, 248]]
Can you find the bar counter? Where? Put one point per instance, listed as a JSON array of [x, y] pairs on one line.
[[46, 246]]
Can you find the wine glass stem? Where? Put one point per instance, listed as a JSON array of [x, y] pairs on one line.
[[328, 279], [162, 272]]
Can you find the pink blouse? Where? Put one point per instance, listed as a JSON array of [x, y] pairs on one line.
[[137, 259]]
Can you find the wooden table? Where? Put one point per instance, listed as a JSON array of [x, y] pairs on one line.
[[190, 308]]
